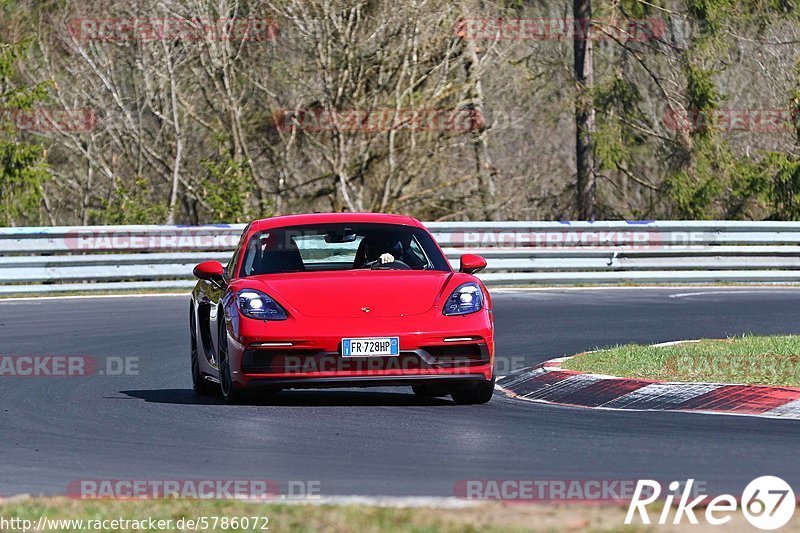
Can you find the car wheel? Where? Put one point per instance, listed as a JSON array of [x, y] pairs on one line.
[[229, 393], [473, 393], [430, 391], [200, 384]]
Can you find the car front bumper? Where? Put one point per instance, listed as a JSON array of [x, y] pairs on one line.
[[282, 355]]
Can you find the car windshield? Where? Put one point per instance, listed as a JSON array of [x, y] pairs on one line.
[[325, 247]]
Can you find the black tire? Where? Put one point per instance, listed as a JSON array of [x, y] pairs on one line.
[[430, 391], [229, 393], [473, 393], [201, 386]]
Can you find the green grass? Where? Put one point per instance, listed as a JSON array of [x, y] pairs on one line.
[[280, 517], [484, 518], [759, 360]]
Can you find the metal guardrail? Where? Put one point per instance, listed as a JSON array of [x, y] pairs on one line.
[[102, 258]]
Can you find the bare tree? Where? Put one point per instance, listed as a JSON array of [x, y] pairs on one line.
[[584, 109]]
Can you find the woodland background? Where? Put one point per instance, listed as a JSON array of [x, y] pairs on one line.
[[183, 130]]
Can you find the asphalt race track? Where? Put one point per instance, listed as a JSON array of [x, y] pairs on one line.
[[379, 441]]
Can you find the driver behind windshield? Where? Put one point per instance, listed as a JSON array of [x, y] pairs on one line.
[[381, 248]]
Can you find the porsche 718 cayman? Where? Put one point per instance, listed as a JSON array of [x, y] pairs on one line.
[[341, 300]]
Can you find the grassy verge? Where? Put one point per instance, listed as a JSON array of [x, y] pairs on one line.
[[773, 360], [490, 517], [484, 518]]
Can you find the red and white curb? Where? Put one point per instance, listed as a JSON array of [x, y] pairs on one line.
[[550, 383]]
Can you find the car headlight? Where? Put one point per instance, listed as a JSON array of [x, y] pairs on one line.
[[256, 304], [466, 299]]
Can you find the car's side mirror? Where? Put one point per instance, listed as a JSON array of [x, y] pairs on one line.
[[471, 263], [210, 271]]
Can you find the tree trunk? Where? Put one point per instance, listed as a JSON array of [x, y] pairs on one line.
[[484, 168], [584, 109], [176, 119]]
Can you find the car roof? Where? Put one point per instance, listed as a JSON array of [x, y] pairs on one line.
[[332, 218]]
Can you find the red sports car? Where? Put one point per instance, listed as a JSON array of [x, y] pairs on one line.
[[341, 300]]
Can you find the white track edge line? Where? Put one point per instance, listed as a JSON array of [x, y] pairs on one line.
[[94, 296]]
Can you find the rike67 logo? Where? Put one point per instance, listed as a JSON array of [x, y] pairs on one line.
[[768, 503]]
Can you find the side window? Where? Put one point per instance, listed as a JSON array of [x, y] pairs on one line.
[[250, 256], [416, 255], [231, 269]]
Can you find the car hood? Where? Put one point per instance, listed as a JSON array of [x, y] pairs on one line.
[[386, 293]]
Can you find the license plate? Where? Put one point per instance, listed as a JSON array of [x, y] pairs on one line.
[[371, 347]]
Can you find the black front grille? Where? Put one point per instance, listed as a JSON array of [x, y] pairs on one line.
[[303, 361], [448, 355], [267, 361], [474, 351]]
